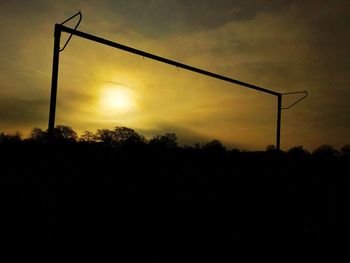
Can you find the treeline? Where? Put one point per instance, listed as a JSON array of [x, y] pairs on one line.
[[114, 185], [124, 137]]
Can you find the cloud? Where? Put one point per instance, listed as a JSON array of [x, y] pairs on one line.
[[158, 18], [15, 111]]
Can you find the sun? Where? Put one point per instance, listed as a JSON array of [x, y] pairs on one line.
[[117, 99]]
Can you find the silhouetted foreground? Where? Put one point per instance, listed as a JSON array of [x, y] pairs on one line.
[[154, 198]]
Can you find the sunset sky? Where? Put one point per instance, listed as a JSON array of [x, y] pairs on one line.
[[279, 45]]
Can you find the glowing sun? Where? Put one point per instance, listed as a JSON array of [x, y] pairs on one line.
[[117, 99]]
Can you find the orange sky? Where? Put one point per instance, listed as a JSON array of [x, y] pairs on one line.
[[280, 45]]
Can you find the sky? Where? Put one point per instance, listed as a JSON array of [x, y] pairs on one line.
[[283, 46]]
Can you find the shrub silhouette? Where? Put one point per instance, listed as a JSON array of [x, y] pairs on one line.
[[270, 148]]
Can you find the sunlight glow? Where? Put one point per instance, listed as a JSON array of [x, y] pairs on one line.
[[117, 99]]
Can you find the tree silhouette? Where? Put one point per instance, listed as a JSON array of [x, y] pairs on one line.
[[38, 135], [65, 133], [214, 146], [88, 137], [10, 138], [124, 135], [298, 152], [119, 136], [326, 151], [104, 136], [345, 150], [167, 141]]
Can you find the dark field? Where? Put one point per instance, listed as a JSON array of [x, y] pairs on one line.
[[149, 200]]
